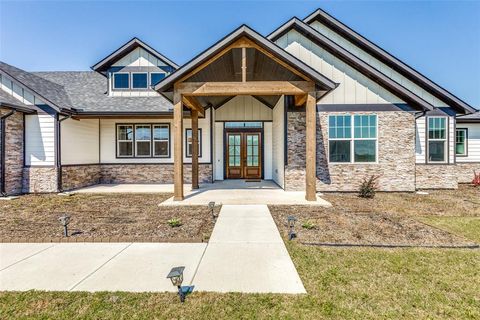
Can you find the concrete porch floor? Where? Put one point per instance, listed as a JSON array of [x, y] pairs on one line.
[[222, 192]]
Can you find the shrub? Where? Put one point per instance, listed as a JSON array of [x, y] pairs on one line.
[[308, 225], [174, 222], [369, 187], [476, 179]]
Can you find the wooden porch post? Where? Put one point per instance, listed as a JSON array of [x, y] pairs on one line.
[[177, 146], [195, 150], [311, 145]]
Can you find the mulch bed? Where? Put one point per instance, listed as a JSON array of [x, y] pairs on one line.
[[103, 218]]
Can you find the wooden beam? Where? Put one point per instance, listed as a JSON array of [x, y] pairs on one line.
[[193, 104], [266, 88], [194, 149], [300, 100], [311, 146], [244, 64], [177, 147]]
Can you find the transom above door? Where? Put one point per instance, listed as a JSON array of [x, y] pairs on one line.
[[243, 154]]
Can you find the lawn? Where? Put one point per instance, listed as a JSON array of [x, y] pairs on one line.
[[361, 283], [102, 217], [469, 227]]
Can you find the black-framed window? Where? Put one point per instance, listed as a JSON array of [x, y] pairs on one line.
[[156, 77], [121, 80], [143, 140], [461, 138], [437, 139], [188, 143], [139, 81]]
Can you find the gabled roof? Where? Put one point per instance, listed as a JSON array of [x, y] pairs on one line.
[[352, 60], [6, 100], [245, 31], [52, 93], [388, 59], [134, 43]]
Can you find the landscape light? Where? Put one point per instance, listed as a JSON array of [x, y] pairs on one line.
[[291, 225], [211, 206], [176, 276], [65, 220]]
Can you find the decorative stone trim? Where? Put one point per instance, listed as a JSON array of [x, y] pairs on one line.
[[39, 179], [13, 152], [465, 171], [436, 176], [79, 176]]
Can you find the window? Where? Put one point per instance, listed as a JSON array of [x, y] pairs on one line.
[[359, 140], [437, 139], [161, 140], [243, 124], [156, 77], [461, 142], [142, 140], [188, 143], [120, 80], [125, 141], [139, 80]]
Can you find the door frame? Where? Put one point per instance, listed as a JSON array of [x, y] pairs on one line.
[[243, 130]]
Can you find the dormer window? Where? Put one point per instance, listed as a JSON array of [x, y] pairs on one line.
[[139, 81], [156, 77], [121, 80]]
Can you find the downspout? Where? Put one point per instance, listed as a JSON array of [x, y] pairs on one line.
[[3, 191], [59, 152]]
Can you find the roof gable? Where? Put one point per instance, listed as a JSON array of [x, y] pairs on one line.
[[388, 59], [128, 48]]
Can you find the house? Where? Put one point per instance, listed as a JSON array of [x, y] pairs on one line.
[[314, 106]]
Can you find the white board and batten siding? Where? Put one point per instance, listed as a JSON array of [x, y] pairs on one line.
[[421, 140], [80, 141], [278, 144], [473, 142], [243, 108], [108, 140]]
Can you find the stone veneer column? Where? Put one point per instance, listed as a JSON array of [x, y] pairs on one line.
[[13, 152]]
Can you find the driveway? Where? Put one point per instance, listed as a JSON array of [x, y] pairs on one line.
[[245, 254]]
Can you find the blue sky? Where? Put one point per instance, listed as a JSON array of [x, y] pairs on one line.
[[440, 39]]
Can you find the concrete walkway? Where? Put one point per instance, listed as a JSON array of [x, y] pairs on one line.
[[245, 254]]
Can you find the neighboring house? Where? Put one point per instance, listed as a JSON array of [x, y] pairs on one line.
[[314, 106]]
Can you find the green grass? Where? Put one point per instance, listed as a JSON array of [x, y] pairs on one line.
[[342, 283], [468, 227]]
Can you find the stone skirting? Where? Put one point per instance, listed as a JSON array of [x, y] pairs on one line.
[[151, 173], [433, 176], [465, 171], [13, 152], [39, 179], [396, 155], [79, 176]]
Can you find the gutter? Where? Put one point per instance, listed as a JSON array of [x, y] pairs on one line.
[[58, 163], [3, 191]]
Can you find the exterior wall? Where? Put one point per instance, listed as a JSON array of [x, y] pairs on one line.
[[80, 141], [421, 149], [420, 140], [39, 179], [473, 142], [465, 171], [278, 143], [13, 152], [396, 157], [40, 139], [79, 176], [218, 152], [151, 173], [243, 108], [436, 176], [267, 150], [354, 87]]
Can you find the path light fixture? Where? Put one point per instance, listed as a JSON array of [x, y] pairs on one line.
[[64, 220], [291, 227], [176, 276], [211, 206]]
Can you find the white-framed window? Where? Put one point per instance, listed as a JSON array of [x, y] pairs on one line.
[[143, 140], [461, 145], [121, 80], [125, 141], [156, 77], [437, 139], [352, 139], [139, 80], [161, 140], [188, 143]]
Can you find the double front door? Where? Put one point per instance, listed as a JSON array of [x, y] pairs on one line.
[[244, 156]]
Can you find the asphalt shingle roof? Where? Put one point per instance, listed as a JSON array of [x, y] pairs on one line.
[[87, 92], [7, 100], [472, 116]]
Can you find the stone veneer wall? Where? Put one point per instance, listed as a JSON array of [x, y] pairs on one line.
[[396, 155], [465, 171], [436, 176], [39, 179], [13, 152], [78, 176], [151, 173]]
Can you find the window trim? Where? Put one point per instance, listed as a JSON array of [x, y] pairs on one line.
[[117, 147], [149, 140], [134, 151], [113, 81], [169, 141], [466, 142], [155, 72], [352, 139], [446, 159], [131, 80], [199, 142]]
